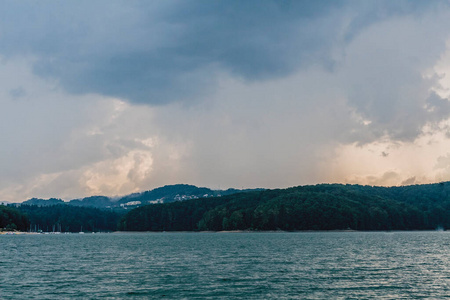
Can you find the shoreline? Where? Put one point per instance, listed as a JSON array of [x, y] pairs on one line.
[[281, 231], [222, 231]]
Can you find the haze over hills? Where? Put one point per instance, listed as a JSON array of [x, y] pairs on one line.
[[165, 194]]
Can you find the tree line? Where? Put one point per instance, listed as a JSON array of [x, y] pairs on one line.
[[318, 207], [62, 218]]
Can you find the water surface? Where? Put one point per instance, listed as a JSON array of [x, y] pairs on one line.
[[306, 265]]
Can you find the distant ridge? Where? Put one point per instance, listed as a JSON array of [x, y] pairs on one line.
[[43, 202], [165, 194]]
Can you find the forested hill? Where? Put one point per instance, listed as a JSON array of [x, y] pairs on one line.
[[178, 192], [318, 207], [165, 194]]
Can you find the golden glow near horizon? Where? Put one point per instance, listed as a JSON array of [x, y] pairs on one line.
[[389, 163]]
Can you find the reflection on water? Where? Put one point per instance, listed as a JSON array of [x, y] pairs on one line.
[[226, 265]]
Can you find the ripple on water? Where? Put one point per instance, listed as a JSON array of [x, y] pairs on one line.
[[226, 266]]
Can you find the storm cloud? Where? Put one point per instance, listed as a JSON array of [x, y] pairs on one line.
[[112, 97], [163, 51]]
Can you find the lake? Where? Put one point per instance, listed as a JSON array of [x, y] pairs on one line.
[[300, 265]]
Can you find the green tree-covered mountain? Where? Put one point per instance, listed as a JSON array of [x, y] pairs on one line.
[[178, 192], [96, 213], [93, 201], [165, 194], [43, 202], [318, 207]]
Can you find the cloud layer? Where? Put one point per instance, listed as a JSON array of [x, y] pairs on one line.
[[118, 97], [167, 51]]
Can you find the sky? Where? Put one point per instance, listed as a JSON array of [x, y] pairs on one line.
[[116, 97]]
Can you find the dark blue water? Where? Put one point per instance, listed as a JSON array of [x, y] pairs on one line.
[[226, 265]]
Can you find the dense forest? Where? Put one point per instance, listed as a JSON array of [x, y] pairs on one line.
[[12, 219], [61, 218], [95, 213], [319, 207]]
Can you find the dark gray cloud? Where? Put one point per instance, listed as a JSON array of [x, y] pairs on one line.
[[163, 51]]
